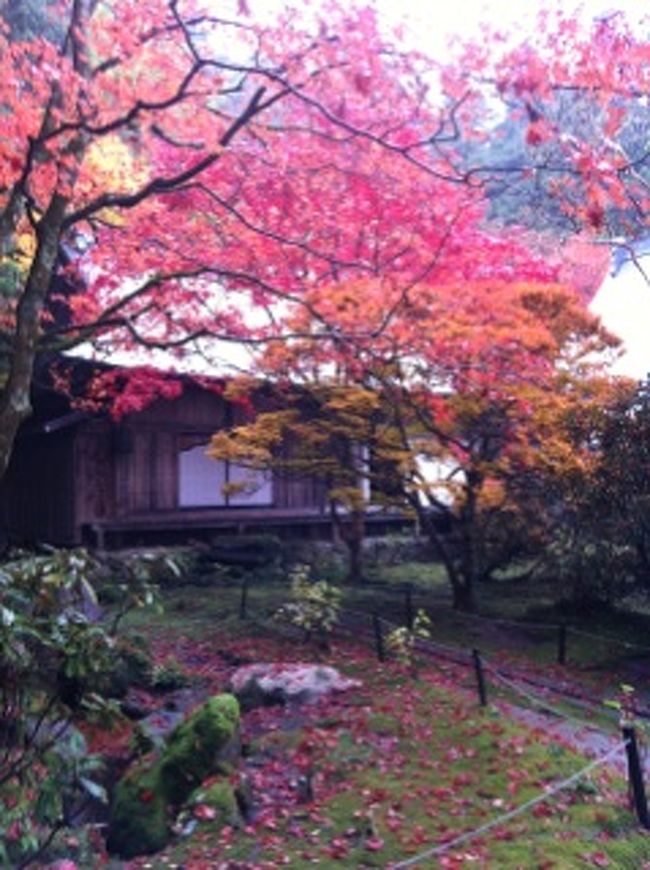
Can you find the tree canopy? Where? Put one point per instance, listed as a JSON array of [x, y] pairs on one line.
[[472, 401], [193, 176]]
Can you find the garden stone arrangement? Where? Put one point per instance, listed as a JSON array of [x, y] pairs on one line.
[[282, 683], [193, 749], [164, 781]]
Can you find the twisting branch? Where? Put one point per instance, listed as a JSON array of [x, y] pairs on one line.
[[170, 182]]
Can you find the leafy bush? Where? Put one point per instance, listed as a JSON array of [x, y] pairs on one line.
[[132, 665], [245, 551], [315, 605], [589, 568], [132, 578], [55, 652], [327, 560], [169, 676], [401, 641]]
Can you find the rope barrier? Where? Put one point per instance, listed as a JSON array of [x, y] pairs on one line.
[[464, 658], [427, 643], [537, 701], [498, 621], [517, 811], [546, 626], [592, 706], [422, 643], [460, 656], [434, 646], [611, 640]]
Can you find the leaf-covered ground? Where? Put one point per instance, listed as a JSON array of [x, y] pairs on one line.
[[378, 775]]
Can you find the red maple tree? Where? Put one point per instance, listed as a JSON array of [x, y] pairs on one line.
[[194, 165], [197, 168]]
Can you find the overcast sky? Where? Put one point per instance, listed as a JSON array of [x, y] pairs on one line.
[[624, 301], [433, 21]]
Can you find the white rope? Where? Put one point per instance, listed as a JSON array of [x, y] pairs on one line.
[[548, 626], [611, 640], [435, 646], [522, 808], [520, 624], [540, 702], [517, 622]]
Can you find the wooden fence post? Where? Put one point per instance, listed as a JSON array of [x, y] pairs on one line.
[[408, 606], [379, 638], [635, 776], [243, 602], [561, 643], [480, 678]]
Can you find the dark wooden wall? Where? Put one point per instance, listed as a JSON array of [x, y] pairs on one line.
[[292, 491], [147, 446], [131, 469], [37, 493], [94, 475], [96, 471]]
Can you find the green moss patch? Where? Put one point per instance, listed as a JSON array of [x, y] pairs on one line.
[[139, 820], [149, 793], [195, 747]]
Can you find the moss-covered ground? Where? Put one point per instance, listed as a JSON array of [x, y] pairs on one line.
[[404, 764], [517, 623]]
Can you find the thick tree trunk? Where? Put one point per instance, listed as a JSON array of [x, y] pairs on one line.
[[350, 531], [462, 577], [353, 536], [464, 595], [15, 400]]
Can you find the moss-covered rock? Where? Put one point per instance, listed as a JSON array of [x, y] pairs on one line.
[[149, 793], [195, 748], [220, 797], [139, 821]]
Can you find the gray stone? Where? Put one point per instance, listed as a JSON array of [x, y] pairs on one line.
[[280, 683]]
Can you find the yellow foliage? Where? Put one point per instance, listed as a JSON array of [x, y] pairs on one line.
[[24, 248], [350, 497], [492, 494], [110, 164]]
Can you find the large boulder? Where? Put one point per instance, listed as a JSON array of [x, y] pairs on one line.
[[205, 744], [147, 796], [139, 821], [281, 683]]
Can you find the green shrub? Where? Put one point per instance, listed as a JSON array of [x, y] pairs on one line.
[[141, 572], [56, 657], [328, 562], [52, 654], [168, 676], [245, 551], [401, 641], [314, 606], [132, 666]]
